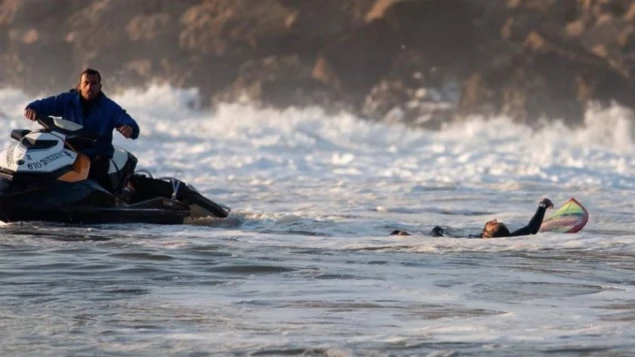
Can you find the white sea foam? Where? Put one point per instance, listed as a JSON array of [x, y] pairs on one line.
[[317, 194]]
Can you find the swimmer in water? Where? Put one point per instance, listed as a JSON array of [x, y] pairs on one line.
[[495, 229]]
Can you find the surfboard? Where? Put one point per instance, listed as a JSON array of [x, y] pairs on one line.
[[571, 217]]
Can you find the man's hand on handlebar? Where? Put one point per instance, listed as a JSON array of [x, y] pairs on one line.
[[30, 114]]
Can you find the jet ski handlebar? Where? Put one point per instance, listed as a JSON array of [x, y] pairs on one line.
[[47, 122], [71, 130]]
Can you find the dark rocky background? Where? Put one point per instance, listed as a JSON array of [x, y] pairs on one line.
[[431, 60]]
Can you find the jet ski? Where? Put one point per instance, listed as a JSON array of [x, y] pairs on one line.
[[44, 177]]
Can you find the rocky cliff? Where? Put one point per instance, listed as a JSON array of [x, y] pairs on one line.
[[422, 61]]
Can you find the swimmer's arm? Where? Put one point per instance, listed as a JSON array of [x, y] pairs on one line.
[[534, 224]]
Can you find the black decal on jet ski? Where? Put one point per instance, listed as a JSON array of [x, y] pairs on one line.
[[34, 165], [58, 155]]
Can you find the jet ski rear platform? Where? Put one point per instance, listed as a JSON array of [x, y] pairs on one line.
[[96, 215], [88, 203]]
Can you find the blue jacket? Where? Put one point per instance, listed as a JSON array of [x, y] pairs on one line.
[[104, 116]]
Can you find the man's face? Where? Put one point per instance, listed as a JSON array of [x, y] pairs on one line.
[[89, 86], [490, 229]]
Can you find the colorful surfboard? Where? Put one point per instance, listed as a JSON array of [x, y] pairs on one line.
[[571, 217]]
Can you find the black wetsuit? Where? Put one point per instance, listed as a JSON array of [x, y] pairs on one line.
[[531, 228]]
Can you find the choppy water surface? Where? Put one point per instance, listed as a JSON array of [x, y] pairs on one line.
[[304, 265]]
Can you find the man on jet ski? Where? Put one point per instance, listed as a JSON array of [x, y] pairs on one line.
[[495, 229], [88, 106]]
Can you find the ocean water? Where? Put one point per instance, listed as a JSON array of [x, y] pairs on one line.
[[304, 265]]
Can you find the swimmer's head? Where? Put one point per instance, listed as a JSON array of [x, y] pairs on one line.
[[495, 229]]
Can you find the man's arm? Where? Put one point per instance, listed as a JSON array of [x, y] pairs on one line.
[[534, 224], [123, 120], [49, 106]]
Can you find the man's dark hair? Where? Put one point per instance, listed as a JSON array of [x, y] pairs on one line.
[[501, 231], [91, 72]]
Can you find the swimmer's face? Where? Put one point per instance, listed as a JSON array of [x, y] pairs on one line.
[[490, 228]]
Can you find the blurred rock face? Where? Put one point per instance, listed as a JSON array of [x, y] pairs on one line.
[[424, 62]]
